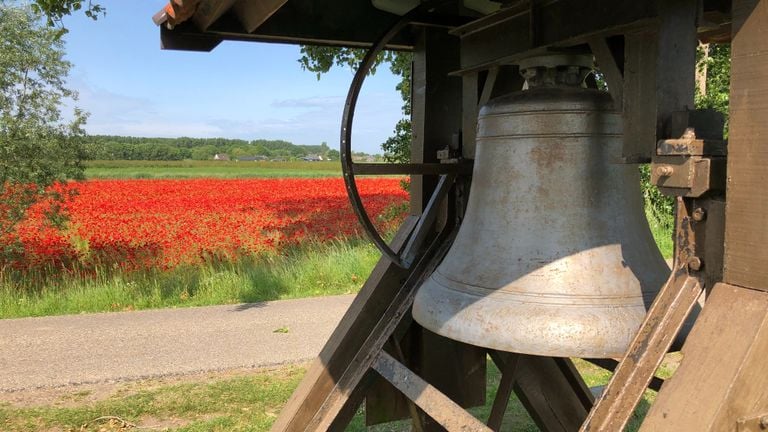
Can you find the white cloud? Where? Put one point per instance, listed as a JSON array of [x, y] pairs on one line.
[[310, 102], [310, 120]]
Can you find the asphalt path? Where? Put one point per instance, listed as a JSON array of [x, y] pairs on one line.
[[121, 346]]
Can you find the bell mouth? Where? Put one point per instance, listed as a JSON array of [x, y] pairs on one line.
[[526, 323]]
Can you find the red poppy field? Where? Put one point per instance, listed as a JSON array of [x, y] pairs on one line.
[[139, 224]]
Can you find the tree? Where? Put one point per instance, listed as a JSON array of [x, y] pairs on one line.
[[320, 59], [56, 10], [39, 148], [713, 77]]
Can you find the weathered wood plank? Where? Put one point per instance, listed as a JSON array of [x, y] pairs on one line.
[[639, 96], [369, 305], [630, 379], [254, 13], [550, 389], [437, 405], [723, 374], [746, 230]]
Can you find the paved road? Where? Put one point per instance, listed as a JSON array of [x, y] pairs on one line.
[[78, 349]]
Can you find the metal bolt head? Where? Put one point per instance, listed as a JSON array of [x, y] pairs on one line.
[[664, 171], [699, 214], [694, 264]]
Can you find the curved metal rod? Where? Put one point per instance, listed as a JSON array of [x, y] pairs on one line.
[[346, 128]]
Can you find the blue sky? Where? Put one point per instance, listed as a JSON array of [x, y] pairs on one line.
[[239, 90]]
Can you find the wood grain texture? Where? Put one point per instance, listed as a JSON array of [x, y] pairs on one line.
[[723, 374], [746, 230]]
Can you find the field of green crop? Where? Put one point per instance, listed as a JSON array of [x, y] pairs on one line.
[[116, 169]]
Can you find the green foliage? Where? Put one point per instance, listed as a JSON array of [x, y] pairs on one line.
[[107, 147], [660, 207], [56, 10], [39, 146], [715, 60], [320, 59], [397, 148]]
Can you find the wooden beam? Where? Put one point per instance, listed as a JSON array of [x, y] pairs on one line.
[[611, 70], [503, 393], [436, 105], [746, 232], [254, 13], [411, 168], [722, 377], [208, 11], [550, 389], [357, 323], [438, 406], [635, 372]]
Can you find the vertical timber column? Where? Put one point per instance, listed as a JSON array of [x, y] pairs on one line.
[[436, 105], [746, 222], [721, 383]]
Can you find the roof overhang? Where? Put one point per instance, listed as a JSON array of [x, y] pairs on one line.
[[200, 25]]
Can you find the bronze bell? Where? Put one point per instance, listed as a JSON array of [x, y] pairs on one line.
[[554, 256]]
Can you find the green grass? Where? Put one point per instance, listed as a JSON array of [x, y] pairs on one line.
[[241, 403], [246, 403], [209, 169], [662, 233], [332, 268]]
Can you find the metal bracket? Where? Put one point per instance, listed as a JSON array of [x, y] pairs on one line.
[[694, 163], [688, 176], [753, 424]]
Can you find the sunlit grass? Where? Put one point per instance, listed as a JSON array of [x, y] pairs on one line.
[[316, 269], [249, 402], [120, 169]]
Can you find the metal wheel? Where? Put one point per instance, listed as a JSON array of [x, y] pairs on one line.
[[350, 169]]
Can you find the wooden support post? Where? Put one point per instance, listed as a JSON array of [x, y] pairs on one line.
[[722, 377], [610, 68], [746, 232], [438, 406], [354, 328], [659, 77], [503, 393], [436, 105], [551, 389], [664, 320], [318, 404]]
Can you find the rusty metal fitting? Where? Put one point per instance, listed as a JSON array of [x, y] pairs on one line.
[[699, 214], [694, 264], [664, 171]]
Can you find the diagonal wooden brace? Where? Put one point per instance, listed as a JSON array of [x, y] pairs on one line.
[[636, 370], [442, 409]]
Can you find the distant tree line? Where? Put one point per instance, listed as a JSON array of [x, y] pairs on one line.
[[108, 147]]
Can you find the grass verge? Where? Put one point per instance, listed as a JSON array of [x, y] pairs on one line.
[[331, 268], [208, 169], [249, 402]]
